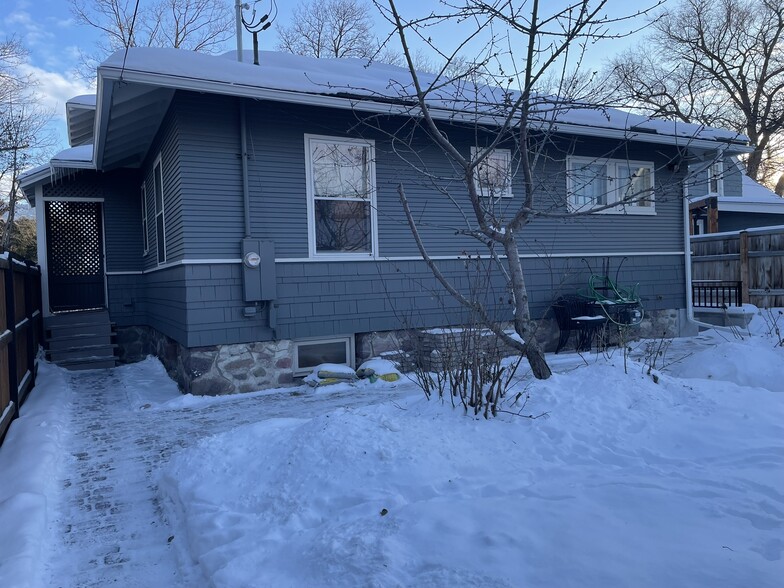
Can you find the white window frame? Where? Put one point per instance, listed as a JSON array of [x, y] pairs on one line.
[[348, 340], [507, 156], [337, 255], [145, 234], [159, 213], [716, 173], [614, 186]]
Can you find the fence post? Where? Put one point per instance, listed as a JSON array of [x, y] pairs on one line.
[[744, 266], [10, 311]]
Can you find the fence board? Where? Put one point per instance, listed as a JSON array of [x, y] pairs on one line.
[[21, 321], [754, 257]]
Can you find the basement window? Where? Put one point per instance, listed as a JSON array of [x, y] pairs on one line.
[[310, 353]]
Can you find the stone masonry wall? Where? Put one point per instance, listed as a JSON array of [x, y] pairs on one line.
[[245, 367], [214, 370]]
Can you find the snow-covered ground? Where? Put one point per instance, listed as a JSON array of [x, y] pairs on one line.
[[674, 478]]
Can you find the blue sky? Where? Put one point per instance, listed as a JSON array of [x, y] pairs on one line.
[[47, 28]]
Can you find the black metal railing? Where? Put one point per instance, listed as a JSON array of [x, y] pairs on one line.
[[715, 293]]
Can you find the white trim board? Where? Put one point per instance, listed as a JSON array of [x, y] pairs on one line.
[[392, 259]]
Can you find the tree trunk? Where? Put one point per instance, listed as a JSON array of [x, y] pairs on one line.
[[522, 317]]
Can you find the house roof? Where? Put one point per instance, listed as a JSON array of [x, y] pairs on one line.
[[135, 89], [755, 198], [80, 113]]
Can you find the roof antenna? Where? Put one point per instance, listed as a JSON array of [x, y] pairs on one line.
[[256, 25]]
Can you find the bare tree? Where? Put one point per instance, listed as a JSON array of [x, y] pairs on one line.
[[512, 125], [714, 62], [197, 25], [23, 130], [335, 28]]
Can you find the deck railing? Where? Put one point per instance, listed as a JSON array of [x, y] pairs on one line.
[[20, 333], [716, 293]]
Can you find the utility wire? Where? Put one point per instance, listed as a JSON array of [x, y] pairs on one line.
[[130, 38]]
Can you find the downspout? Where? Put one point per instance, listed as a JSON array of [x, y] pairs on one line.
[[687, 258], [244, 159]]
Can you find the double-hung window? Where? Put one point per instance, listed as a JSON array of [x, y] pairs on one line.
[[145, 236], [622, 186], [340, 175], [493, 175], [160, 230], [716, 178]]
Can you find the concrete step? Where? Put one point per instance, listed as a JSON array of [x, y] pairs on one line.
[[88, 363], [60, 331], [80, 318], [80, 340], [61, 343], [60, 355]]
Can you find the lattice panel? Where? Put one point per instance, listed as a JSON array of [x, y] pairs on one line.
[[74, 238], [80, 186]]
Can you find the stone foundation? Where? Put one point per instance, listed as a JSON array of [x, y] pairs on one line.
[[245, 367], [215, 370]]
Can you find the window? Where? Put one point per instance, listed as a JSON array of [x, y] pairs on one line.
[[145, 236], [716, 178], [340, 176], [593, 183], [160, 231], [494, 175], [309, 354]]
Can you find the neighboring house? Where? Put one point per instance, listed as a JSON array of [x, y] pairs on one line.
[[724, 199], [243, 222]]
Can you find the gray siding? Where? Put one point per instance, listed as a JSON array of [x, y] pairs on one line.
[[733, 181], [738, 221], [165, 144], [201, 304], [196, 305], [320, 299], [212, 186]]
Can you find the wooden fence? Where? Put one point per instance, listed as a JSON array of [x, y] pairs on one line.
[[21, 319], [754, 257]]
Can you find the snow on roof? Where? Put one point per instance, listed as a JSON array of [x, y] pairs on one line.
[[756, 192], [83, 100], [74, 157], [82, 153], [357, 78]]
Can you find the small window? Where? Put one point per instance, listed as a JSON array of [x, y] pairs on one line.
[[593, 183], [160, 229], [145, 236], [716, 178], [341, 203], [309, 354], [494, 174]]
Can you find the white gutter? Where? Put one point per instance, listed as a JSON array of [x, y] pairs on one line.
[[106, 73]]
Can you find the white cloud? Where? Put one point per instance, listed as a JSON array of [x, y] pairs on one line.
[[31, 31], [55, 88]]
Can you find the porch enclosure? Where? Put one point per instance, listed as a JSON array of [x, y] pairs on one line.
[[751, 262], [74, 255], [21, 320]]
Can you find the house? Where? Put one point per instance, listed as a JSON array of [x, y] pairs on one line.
[[243, 223], [724, 199]]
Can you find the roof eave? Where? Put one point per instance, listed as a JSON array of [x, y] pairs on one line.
[[111, 74]]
